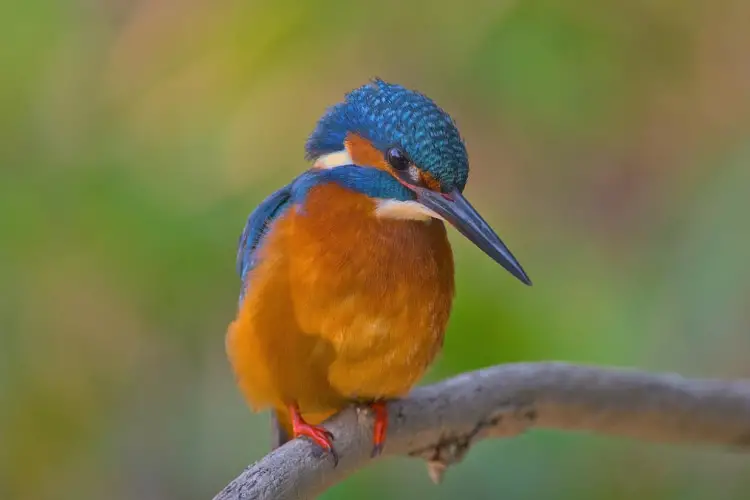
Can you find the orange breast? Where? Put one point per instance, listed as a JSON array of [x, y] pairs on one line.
[[343, 305]]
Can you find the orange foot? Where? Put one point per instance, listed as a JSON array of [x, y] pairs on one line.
[[381, 426], [317, 434]]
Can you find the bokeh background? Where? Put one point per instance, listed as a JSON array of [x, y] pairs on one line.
[[609, 144]]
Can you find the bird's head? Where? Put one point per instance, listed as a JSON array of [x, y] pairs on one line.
[[418, 160]]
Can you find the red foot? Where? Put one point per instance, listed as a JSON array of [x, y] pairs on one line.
[[317, 434], [381, 426]]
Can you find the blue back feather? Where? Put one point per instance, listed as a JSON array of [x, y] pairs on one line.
[[391, 115]]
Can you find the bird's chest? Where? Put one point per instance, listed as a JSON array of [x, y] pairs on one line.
[[370, 287]]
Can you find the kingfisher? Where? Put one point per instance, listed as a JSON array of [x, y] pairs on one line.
[[347, 273]]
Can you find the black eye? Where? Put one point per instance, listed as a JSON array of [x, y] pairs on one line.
[[397, 159]]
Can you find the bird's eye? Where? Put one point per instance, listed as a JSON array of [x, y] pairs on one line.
[[397, 159]]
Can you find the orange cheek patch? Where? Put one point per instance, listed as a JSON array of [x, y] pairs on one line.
[[430, 181], [363, 152]]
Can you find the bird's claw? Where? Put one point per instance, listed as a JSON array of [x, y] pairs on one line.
[[318, 435]]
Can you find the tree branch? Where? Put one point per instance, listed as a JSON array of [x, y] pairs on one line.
[[440, 422]]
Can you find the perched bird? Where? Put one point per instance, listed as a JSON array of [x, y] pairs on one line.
[[347, 273]]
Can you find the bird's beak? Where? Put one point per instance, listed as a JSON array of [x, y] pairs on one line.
[[456, 209]]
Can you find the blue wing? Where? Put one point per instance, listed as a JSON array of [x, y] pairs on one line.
[[256, 228]]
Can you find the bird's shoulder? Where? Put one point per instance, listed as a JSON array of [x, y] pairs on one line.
[[343, 188], [261, 219], [256, 228]]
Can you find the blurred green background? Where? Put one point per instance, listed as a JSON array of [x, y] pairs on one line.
[[610, 147]]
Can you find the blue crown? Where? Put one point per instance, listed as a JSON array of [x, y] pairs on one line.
[[390, 115]]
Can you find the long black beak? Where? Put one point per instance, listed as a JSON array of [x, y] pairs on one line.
[[456, 209]]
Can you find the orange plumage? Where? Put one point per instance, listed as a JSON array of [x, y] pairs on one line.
[[343, 306]]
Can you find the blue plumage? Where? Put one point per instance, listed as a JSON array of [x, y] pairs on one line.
[[368, 181], [390, 115]]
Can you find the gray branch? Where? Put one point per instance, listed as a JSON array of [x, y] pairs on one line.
[[440, 422]]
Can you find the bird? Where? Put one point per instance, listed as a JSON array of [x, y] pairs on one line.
[[347, 274]]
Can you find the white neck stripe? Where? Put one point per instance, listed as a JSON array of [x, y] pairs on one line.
[[333, 160]]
